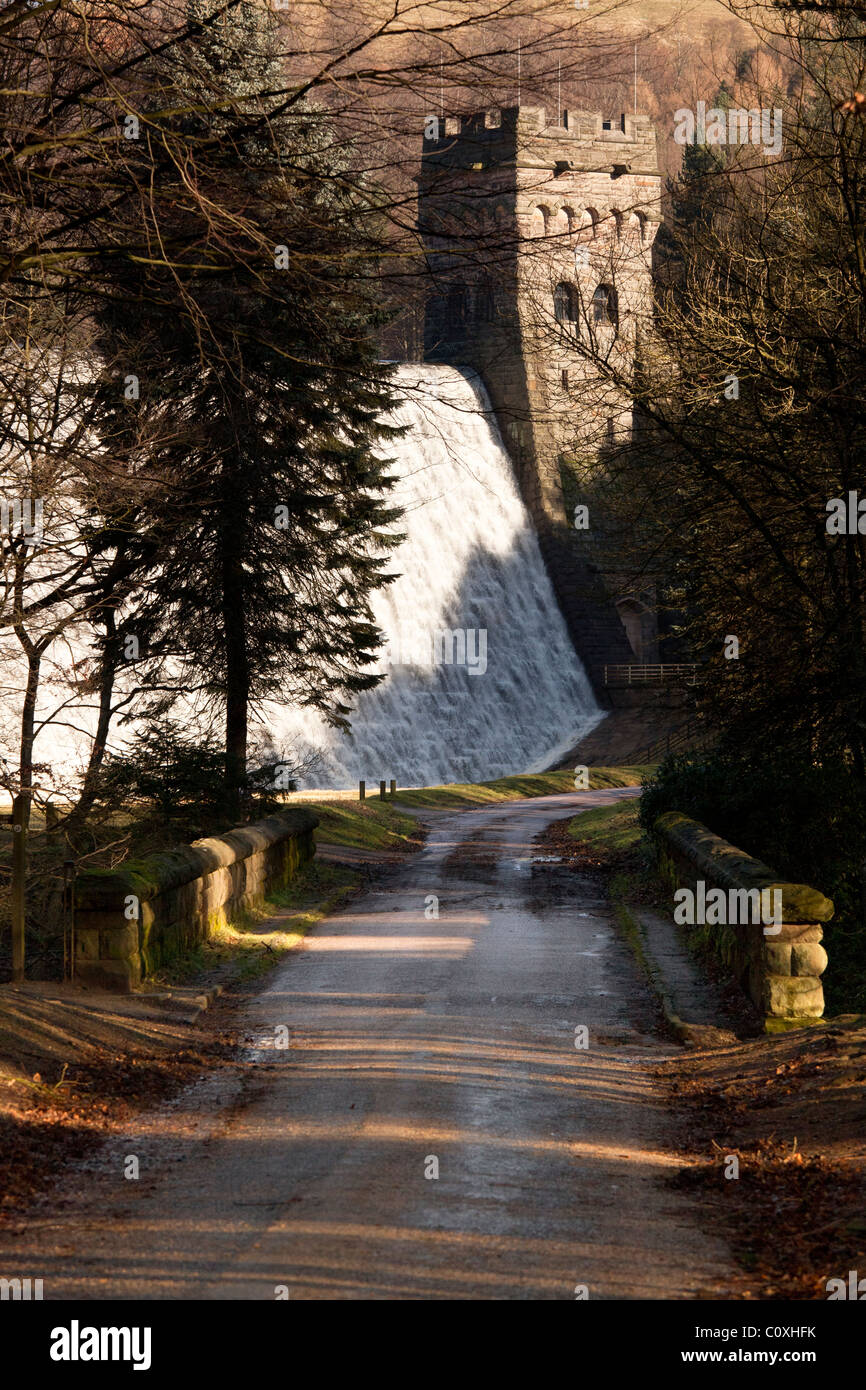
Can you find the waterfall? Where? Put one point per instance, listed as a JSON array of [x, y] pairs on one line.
[[482, 679]]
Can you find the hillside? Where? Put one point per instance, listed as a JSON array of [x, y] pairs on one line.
[[689, 12]]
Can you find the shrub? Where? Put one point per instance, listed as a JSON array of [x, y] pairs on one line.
[[179, 783]]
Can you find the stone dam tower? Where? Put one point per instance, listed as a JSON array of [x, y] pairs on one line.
[[539, 242]]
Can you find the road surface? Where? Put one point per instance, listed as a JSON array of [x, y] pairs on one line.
[[431, 1030]]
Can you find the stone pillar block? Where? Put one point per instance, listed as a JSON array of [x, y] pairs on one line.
[[808, 958]]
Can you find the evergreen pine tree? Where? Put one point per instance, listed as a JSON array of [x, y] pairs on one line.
[[278, 528]]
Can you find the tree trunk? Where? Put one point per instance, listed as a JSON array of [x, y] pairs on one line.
[[28, 724], [237, 669], [90, 785], [21, 816]]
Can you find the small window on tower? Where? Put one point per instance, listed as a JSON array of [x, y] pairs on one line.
[[484, 303], [604, 306], [565, 378], [564, 303], [455, 307]]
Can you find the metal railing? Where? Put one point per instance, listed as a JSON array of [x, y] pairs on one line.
[[682, 671]]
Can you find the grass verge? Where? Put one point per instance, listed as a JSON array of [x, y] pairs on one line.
[[459, 794], [614, 828], [612, 838], [362, 825], [241, 952]]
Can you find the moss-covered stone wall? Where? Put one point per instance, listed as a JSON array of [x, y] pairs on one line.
[[132, 920], [780, 968]]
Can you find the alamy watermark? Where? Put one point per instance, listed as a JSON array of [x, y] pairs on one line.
[[846, 516], [734, 126], [445, 647], [22, 516], [854, 1290], [20, 1290], [77, 1343], [738, 907]]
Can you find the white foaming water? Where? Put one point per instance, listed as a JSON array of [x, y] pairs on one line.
[[483, 680]]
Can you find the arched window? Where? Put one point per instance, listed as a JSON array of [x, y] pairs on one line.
[[564, 303], [540, 221], [456, 307], [605, 309], [589, 224], [484, 304], [637, 621]]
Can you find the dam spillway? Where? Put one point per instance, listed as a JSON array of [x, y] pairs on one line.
[[481, 677]]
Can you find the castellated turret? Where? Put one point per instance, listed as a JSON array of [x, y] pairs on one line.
[[539, 239]]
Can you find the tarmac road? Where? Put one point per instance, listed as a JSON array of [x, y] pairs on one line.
[[418, 1044]]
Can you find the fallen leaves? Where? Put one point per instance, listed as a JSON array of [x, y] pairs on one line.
[[46, 1129], [793, 1216]]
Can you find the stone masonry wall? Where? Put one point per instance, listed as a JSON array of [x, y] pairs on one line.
[[132, 920], [511, 207], [781, 972]]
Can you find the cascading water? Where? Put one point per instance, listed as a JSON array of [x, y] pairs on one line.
[[482, 679]]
